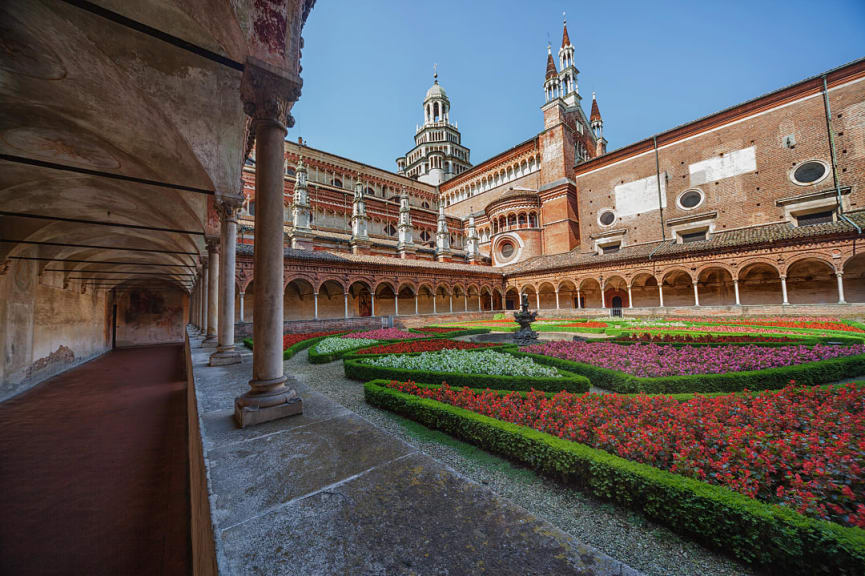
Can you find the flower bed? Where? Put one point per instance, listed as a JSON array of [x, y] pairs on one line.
[[798, 323], [586, 324], [700, 338], [294, 343], [748, 431], [651, 360], [479, 368], [422, 346], [439, 330], [330, 349], [384, 334], [700, 369]]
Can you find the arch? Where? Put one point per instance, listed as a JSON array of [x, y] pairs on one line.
[[547, 293], [644, 290], [854, 278], [678, 287], [532, 293], [331, 299], [759, 283], [589, 293], [533, 219], [512, 298], [522, 220], [385, 299], [405, 299], [811, 280], [334, 279], [359, 298], [616, 292], [715, 285], [567, 294], [459, 298], [248, 296], [298, 300], [425, 296], [512, 220]]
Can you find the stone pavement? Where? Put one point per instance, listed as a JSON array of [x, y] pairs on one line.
[[327, 492]]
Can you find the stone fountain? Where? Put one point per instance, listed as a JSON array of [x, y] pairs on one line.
[[525, 335]]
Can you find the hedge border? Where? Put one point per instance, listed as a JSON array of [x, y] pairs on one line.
[[454, 334], [809, 374], [353, 354], [754, 532], [302, 345], [357, 370]]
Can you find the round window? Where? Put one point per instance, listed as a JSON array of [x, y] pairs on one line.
[[691, 199], [607, 217], [809, 172], [507, 249]]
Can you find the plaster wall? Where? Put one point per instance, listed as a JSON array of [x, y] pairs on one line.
[[149, 316], [45, 329]]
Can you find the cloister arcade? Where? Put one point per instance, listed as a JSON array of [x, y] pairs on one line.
[[806, 280], [493, 179], [307, 299]]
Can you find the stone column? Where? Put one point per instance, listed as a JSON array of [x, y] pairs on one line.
[[630, 299], [661, 294], [784, 290], [240, 305], [346, 304], [205, 269], [435, 304], [480, 304], [372, 304], [192, 304], [557, 298], [466, 301], [736, 290], [396, 304], [579, 303], [212, 294], [269, 399], [415, 303], [603, 298], [538, 299], [451, 297], [225, 352], [840, 276], [696, 294], [315, 305], [492, 302]]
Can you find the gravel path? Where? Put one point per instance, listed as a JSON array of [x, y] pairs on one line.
[[626, 536]]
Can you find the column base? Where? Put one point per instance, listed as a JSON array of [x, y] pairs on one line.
[[224, 357], [251, 409], [211, 340]]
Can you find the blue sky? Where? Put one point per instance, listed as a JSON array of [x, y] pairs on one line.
[[367, 65]]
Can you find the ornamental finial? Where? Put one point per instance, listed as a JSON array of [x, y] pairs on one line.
[[435, 73]]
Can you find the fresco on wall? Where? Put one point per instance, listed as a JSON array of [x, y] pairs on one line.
[[147, 316]]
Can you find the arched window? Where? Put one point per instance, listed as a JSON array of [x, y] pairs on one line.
[[512, 220], [390, 230], [336, 182], [252, 207], [522, 220]]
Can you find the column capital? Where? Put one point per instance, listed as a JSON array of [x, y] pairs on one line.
[[268, 94], [839, 274], [212, 245], [782, 276], [228, 206]]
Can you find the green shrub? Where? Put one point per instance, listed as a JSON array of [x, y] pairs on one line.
[[357, 370], [756, 533], [809, 374], [295, 348], [458, 331]]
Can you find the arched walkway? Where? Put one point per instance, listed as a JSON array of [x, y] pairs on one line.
[[406, 301], [854, 279], [589, 293], [243, 312], [644, 290], [811, 281], [530, 291], [759, 283], [359, 299], [716, 288], [425, 300], [678, 288], [442, 302], [616, 292], [512, 299], [459, 299], [548, 295], [473, 299], [331, 300], [497, 300], [298, 301], [567, 294], [385, 300]]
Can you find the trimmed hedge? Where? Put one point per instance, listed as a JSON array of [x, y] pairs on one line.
[[803, 341], [352, 354], [295, 348], [809, 374], [355, 369], [760, 534]]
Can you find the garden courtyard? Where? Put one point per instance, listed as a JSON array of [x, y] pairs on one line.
[[672, 446]]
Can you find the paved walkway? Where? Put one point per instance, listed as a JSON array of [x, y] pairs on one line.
[[327, 492], [93, 469]]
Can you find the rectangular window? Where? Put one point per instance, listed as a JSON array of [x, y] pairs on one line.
[[611, 249], [693, 237], [815, 218]]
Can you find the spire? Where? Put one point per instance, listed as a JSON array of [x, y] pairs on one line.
[[358, 214], [472, 245], [565, 40], [404, 227], [551, 64], [443, 241], [596, 114], [300, 201]]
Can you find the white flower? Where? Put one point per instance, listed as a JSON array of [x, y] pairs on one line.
[[336, 344], [466, 362]]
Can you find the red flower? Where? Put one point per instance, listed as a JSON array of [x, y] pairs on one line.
[[411, 346], [289, 340]]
